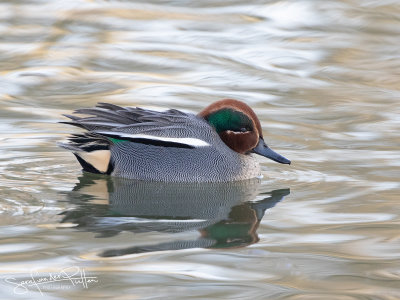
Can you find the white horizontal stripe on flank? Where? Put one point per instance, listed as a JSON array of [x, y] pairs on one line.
[[187, 141]]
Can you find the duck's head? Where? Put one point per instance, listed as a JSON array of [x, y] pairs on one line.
[[239, 128]]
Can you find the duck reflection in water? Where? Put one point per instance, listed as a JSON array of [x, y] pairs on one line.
[[221, 212]]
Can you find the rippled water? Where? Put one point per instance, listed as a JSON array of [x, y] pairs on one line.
[[322, 75]]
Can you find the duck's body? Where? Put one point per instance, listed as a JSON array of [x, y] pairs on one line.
[[174, 146]]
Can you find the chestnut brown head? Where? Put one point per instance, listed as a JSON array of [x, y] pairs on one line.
[[239, 128]]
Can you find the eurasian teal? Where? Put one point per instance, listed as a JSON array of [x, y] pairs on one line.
[[131, 142]]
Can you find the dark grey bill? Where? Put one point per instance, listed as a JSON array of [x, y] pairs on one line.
[[264, 150]]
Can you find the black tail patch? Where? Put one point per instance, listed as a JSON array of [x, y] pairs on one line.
[[89, 168]]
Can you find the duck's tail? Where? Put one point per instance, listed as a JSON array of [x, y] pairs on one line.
[[92, 152]]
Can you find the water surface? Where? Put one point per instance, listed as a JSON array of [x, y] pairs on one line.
[[323, 78]]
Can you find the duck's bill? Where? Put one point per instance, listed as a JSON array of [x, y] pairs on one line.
[[264, 150]]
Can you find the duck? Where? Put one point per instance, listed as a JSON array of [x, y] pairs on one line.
[[216, 145]]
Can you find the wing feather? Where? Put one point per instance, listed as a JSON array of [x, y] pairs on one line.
[[135, 120]]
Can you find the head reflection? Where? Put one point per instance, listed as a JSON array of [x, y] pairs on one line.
[[221, 212]]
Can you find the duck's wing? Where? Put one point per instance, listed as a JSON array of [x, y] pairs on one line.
[[167, 128], [106, 116]]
